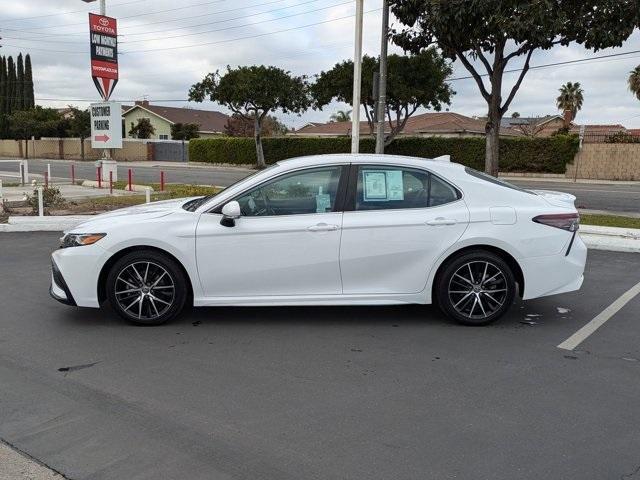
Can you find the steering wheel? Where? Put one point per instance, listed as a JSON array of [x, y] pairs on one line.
[[267, 207]]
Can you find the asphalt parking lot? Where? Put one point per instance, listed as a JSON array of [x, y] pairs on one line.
[[320, 393]]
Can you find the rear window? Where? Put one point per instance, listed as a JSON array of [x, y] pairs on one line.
[[495, 181]]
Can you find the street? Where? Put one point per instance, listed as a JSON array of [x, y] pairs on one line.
[[612, 197], [323, 392]]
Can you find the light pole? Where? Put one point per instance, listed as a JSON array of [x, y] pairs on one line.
[[103, 6], [357, 79], [382, 86]]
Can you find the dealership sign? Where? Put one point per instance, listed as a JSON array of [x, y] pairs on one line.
[[106, 125], [103, 33]]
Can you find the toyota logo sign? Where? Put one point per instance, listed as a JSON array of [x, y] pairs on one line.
[[104, 22]]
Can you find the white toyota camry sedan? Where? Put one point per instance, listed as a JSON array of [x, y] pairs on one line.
[[330, 230]]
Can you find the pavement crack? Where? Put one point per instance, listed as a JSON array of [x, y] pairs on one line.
[[630, 475]]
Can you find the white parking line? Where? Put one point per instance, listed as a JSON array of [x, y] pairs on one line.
[[581, 335]]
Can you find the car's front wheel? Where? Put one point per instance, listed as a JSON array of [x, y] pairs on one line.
[[476, 288], [146, 287]]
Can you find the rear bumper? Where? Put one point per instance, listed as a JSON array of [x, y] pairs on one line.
[[58, 288], [550, 275]]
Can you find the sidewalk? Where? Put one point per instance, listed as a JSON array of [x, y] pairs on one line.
[[16, 466], [553, 178], [69, 192]]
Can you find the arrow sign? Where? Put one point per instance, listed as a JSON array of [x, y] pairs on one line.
[[106, 125], [102, 138]]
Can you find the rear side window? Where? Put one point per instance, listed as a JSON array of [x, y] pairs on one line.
[[495, 181], [385, 187]]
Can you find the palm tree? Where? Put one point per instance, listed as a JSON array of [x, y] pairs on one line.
[[341, 116], [634, 81], [570, 98]]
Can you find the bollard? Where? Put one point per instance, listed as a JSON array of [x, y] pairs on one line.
[[40, 202], [147, 195], [49, 170], [73, 174], [46, 180], [110, 183], [99, 175], [162, 180], [130, 180], [0, 190]]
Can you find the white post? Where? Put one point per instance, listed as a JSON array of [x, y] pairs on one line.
[[24, 172], [40, 202], [0, 190], [357, 80], [49, 172], [103, 7], [147, 194]]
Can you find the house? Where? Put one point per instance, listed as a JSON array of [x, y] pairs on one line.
[[547, 125], [210, 123], [438, 124]]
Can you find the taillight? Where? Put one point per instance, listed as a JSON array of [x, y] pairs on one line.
[[566, 221]]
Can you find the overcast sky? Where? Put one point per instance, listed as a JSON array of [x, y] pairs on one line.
[[57, 39]]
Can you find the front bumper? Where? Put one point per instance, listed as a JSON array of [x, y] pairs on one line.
[[58, 288]]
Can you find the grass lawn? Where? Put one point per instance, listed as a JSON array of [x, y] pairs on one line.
[[610, 221]]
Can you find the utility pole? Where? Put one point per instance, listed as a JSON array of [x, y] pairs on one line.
[[357, 79], [382, 85]]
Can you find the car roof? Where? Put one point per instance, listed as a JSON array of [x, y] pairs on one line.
[[370, 158]]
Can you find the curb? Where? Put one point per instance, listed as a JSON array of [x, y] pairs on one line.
[[134, 187], [596, 238]]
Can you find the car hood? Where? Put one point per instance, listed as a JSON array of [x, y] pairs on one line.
[[557, 199], [133, 214]]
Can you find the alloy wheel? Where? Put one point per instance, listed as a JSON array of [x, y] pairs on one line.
[[144, 290], [478, 289]]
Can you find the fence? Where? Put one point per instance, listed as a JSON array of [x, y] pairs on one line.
[[606, 161], [75, 149]]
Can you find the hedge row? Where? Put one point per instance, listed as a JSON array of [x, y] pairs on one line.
[[541, 155]]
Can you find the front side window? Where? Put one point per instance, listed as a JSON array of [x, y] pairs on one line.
[[386, 187], [298, 193]]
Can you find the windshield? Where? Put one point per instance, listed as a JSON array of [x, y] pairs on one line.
[[193, 205]]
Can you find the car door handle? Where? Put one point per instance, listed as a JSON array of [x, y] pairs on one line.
[[441, 221], [322, 227]]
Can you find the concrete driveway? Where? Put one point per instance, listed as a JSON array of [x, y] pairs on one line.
[[320, 393]]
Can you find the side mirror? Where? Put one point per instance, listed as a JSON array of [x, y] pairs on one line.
[[230, 212]]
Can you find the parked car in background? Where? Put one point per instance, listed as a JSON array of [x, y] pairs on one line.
[[330, 230]]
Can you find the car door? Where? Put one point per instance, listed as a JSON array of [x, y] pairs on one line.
[[286, 241], [397, 222]]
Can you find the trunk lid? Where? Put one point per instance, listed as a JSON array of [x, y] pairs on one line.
[[557, 199]]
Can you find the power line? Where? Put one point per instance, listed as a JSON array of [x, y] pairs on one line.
[[21, 19], [181, 47], [192, 26], [306, 12]]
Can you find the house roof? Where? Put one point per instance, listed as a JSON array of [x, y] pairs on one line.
[[634, 131], [207, 120], [432, 122]]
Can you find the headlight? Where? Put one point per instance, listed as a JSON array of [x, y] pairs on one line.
[[79, 239]]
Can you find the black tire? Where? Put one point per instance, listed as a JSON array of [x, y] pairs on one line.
[[133, 277], [482, 301]]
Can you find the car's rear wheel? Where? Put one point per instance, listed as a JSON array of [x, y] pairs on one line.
[[476, 288], [146, 287]]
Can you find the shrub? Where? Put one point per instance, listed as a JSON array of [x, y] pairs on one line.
[[50, 196], [542, 155]]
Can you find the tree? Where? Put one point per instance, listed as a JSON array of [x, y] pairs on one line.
[[257, 91], [36, 122], [19, 100], [634, 81], [80, 126], [515, 115], [142, 129], [529, 127], [413, 81], [488, 34], [28, 94], [11, 85], [341, 116], [570, 99], [184, 131], [238, 126]]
